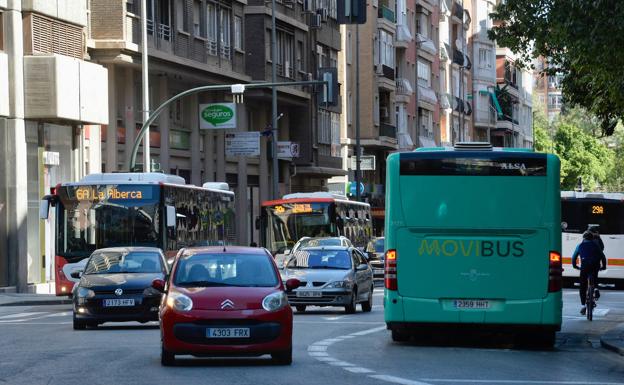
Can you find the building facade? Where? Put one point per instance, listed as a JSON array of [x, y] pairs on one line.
[[52, 102], [548, 90]]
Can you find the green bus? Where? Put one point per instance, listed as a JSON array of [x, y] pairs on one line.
[[473, 239]]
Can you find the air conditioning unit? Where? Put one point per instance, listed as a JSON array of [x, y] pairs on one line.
[[315, 21], [308, 6], [324, 13]]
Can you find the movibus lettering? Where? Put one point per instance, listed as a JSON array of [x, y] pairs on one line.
[[452, 248]]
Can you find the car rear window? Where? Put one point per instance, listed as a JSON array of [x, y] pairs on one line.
[[320, 259], [242, 270]]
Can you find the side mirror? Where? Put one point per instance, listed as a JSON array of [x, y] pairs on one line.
[[361, 267], [292, 284], [76, 274], [171, 217], [44, 208], [159, 285]]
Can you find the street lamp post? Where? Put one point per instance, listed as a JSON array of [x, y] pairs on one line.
[[274, 160], [145, 75]]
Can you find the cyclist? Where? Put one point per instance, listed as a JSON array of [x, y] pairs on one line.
[[597, 240], [592, 260]]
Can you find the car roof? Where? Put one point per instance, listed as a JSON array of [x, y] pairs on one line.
[[128, 249], [331, 248], [224, 250]]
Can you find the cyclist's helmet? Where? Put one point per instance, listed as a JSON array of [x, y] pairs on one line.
[[588, 235]]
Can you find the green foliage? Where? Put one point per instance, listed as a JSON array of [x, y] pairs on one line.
[[581, 39]]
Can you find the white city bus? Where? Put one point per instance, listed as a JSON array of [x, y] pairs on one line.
[[579, 210]]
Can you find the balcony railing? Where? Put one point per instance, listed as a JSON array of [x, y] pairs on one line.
[[386, 13], [404, 87], [387, 130]]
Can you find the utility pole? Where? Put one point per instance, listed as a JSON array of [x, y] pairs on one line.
[[275, 163], [462, 134], [357, 113], [145, 75]]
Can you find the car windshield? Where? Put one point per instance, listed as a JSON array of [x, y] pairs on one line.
[[313, 242], [118, 263], [320, 259], [223, 269]]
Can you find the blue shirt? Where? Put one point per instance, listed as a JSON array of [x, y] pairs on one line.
[[591, 255]]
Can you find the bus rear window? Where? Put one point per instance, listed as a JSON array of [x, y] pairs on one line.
[[577, 215], [471, 164]]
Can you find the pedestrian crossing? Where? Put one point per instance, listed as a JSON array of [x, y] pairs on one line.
[[37, 316]]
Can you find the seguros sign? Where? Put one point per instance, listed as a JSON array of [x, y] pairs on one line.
[[217, 115]]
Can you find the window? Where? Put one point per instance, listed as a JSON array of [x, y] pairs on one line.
[[424, 73], [131, 6], [181, 19], [455, 80], [238, 32], [426, 122], [349, 108], [1, 32], [211, 23], [285, 54], [321, 55], [348, 47], [485, 55], [423, 24], [300, 63], [225, 22], [196, 18], [333, 58], [386, 49]]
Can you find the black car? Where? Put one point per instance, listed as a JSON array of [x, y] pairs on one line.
[[116, 285], [376, 257]]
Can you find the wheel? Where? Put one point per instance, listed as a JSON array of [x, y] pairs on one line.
[[368, 304], [350, 308], [399, 336], [79, 325], [166, 358], [283, 358], [300, 308], [535, 340]]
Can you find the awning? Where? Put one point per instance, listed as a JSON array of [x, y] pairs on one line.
[[499, 110]]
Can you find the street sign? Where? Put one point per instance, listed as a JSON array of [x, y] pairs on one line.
[[217, 115], [287, 150], [367, 162], [352, 188], [242, 143]]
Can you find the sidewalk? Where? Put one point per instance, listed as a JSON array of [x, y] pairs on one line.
[[26, 299], [614, 339]]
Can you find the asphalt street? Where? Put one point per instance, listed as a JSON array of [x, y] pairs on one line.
[[330, 347]]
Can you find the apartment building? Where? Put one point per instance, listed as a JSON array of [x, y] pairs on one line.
[[52, 103], [548, 89]]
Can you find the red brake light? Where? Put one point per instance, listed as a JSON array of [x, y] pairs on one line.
[[390, 272], [554, 272]]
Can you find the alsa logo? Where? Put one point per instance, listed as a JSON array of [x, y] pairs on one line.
[[451, 248], [513, 166]]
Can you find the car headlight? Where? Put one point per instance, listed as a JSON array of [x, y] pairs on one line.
[[275, 301], [340, 285], [85, 293], [179, 301]]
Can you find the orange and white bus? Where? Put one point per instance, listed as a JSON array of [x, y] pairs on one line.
[[579, 210]]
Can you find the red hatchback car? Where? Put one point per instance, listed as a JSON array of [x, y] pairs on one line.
[[225, 301]]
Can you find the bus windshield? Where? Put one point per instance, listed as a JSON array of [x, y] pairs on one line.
[[287, 223], [95, 217], [578, 214]]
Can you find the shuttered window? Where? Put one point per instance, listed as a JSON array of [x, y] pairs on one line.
[[51, 36]]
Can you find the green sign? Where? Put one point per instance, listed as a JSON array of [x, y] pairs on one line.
[[217, 115]]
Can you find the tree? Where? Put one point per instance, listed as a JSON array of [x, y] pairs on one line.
[[542, 135], [582, 156], [580, 39]]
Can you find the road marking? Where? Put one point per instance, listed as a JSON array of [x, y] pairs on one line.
[[476, 381], [340, 322], [20, 315], [30, 317], [341, 363], [369, 331], [357, 369], [396, 380]]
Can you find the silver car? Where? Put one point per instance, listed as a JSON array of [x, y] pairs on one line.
[[282, 259], [330, 276]]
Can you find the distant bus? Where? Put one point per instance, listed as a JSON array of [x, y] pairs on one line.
[[133, 209], [319, 214], [579, 210], [473, 237]]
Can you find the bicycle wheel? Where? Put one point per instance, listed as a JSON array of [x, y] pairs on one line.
[[589, 303]]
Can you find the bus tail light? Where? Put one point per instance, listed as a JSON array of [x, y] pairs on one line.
[[390, 272], [554, 272]]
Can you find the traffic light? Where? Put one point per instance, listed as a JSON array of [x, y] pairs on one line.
[[329, 91], [351, 11]]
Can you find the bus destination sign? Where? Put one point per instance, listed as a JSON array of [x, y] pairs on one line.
[[101, 193]]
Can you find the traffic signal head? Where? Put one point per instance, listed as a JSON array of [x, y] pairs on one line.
[[329, 91]]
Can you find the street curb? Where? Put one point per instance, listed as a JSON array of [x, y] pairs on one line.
[[38, 303], [614, 340]]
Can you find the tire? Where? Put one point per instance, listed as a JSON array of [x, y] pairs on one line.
[[536, 340], [166, 358], [79, 325], [399, 336], [300, 308], [283, 357], [367, 305], [351, 308]]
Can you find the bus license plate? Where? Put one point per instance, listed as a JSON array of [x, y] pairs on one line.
[[471, 304], [118, 302], [227, 333], [309, 293]]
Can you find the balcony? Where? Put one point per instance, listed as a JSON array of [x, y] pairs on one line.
[[387, 130], [403, 36], [386, 13], [462, 106], [461, 59], [427, 95], [404, 90], [457, 11], [426, 44], [72, 90]]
